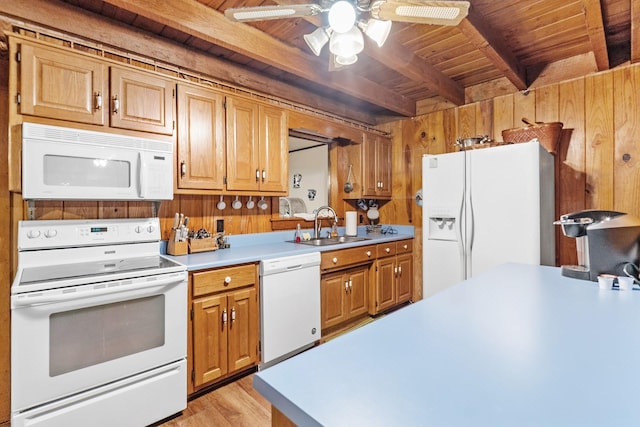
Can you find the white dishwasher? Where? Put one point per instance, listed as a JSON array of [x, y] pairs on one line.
[[289, 306]]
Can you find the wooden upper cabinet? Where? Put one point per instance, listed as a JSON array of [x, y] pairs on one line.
[[61, 85], [242, 148], [376, 167], [257, 147], [201, 138], [141, 101], [274, 149]]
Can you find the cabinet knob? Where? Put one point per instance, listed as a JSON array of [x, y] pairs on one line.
[[335, 260], [183, 168], [227, 280], [387, 250], [405, 247], [224, 316], [346, 287], [257, 175], [369, 254], [399, 270], [233, 314], [264, 175]]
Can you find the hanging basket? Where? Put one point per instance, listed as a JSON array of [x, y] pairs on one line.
[[547, 133]]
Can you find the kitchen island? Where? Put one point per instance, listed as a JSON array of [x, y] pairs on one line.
[[517, 346]]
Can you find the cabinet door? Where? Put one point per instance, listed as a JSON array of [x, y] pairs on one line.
[[358, 291], [404, 278], [210, 319], [274, 149], [369, 177], [141, 101], [61, 85], [333, 299], [201, 160], [385, 286], [243, 171], [383, 166], [243, 329]]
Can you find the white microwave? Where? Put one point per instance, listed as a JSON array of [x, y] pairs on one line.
[[65, 163]]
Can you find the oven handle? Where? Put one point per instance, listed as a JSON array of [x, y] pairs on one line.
[[71, 296]]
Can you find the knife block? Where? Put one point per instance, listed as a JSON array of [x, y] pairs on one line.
[[176, 248]]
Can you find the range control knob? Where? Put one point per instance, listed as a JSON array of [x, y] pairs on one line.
[[139, 229], [151, 228], [33, 234], [52, 232]]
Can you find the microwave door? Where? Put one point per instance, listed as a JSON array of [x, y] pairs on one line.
[[73, 171], [154, 183]]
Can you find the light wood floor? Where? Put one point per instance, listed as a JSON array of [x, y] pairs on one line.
[[234, 405]]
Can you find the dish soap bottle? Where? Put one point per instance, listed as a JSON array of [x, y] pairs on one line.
[[334, 230], [298, 236]]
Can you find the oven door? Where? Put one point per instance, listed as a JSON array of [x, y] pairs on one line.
[[68, 340]]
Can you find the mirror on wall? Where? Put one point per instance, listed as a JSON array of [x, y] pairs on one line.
[[308, 177]]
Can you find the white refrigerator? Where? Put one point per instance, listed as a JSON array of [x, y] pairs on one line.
[[485, 207]]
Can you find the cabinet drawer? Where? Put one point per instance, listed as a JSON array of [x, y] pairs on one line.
[[344, 257], [404, 247], [385, 249], [223, 279]]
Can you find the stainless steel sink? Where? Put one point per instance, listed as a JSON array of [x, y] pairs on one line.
[[331, 240]]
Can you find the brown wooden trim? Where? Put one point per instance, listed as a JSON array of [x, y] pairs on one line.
[[635, 31], [595, 27], [494, 48]]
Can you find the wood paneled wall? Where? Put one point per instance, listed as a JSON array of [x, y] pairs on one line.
[[598, 158]]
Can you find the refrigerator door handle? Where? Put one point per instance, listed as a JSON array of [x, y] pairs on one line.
[[461, 241]]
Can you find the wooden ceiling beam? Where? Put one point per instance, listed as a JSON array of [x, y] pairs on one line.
[[71, 20], [635, 31], [489, 42], [592, 10], [203, 22]]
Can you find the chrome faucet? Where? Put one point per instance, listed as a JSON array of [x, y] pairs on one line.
[[317, 225]]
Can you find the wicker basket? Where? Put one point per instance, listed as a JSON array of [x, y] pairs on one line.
[[547, 133]]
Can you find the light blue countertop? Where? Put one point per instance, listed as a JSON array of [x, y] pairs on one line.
[[517, 346], [260, 246]]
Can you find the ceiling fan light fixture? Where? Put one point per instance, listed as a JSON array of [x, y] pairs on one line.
[[346, 60], [377, 30], [346, 45], [449, 13], [317, 39], [342, 16]]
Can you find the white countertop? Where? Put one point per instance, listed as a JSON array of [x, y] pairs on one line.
[[260, 246], [517, 346]]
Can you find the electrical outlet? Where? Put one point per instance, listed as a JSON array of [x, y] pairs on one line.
[[219, 225]]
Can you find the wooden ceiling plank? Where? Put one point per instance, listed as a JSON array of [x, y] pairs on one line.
[[635, 31], [592, 10], [494, 48], [201, 21], [402, 60], [74, 21]]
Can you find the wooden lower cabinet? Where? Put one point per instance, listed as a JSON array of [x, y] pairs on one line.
[[344, 296], [224, 323], [392, 276]]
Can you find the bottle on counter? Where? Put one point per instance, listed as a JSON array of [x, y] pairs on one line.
[[298, 236], [334, 229]]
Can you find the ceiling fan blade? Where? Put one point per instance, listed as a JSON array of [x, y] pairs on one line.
[[421, 12], [261, 13]]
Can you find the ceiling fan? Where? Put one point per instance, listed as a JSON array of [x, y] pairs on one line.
[[348, 19]]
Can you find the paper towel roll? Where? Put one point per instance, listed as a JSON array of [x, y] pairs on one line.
[[351, 223]]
